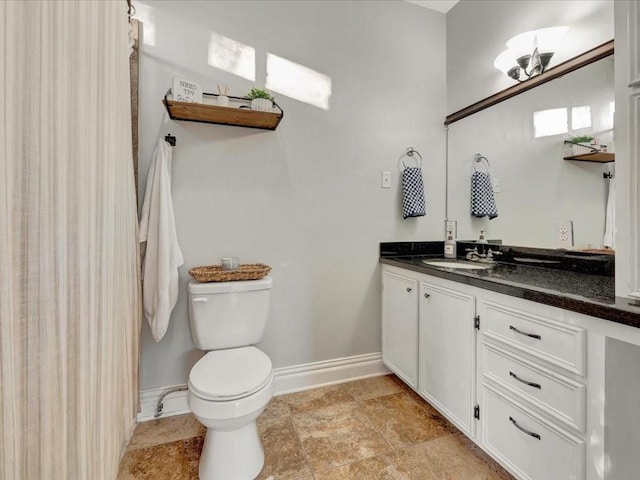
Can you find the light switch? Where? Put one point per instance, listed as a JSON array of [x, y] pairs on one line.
[[386, 180], [495, 185]]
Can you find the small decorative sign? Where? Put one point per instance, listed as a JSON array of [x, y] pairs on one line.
[[186, 91]]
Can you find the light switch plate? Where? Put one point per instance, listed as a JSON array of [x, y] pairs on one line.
[[495, 185], [386, 180], [564, 234]]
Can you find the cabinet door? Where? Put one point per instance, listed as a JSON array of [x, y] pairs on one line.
[[400, 326], [448, 353]]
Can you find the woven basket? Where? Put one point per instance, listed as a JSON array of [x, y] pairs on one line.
[[215, 273]]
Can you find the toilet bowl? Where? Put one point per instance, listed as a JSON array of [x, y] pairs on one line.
[[232, 384], [228, 390]]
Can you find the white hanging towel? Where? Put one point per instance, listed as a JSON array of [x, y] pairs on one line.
[[163, 256], [610, 224]]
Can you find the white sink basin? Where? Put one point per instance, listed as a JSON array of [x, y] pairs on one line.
[[457, 265]]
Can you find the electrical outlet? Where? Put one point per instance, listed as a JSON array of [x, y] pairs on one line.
[[386, 180], [451, 226], [564, 234]]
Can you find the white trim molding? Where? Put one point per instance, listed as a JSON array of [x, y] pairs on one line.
[[287, 380], [329, 372], [173, 404]]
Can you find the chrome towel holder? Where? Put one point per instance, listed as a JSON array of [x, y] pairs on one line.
[[411, 152], [477, 158]]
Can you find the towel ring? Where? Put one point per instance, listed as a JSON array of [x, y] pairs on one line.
[[477, 158], [409, 153]]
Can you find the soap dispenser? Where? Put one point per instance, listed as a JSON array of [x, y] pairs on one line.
[[449, 246], [482, 239]]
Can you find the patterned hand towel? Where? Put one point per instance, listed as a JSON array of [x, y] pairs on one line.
[[482, 202], [413, 204]]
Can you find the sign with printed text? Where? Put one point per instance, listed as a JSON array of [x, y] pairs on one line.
[[186, 91]]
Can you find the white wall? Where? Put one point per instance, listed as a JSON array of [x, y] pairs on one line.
[[537, 187], [305, 199], [477, 32]]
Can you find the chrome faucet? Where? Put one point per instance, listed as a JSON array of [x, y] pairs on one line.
[[474, 256]]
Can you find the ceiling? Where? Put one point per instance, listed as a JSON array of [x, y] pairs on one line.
[[440, 5]]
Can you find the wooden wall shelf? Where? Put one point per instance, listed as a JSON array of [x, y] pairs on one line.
[[600, 157], [232, 115]]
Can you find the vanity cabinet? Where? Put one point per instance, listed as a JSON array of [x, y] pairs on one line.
[[428, 340], [447, 352], [523, 380], [400, 326]]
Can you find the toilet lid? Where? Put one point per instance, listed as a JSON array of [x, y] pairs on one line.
[[230, 374]]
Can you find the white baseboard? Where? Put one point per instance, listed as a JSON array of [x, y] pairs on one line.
[[328, 372], [173, 404], [286, 380]]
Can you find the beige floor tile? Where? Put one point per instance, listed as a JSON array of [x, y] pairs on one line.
[[373, 387], [383, 467], [161, 462], [402, 420], [501, 473], [445, 458], [165, 430], [284, 458], [317, 398], [344, 432], [277, 408], [432, 412], [192, 450], [336, 435]]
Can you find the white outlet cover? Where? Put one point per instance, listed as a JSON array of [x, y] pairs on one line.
[[564, 234], [451, 226]]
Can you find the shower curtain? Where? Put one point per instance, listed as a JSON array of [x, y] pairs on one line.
[[69, 282]]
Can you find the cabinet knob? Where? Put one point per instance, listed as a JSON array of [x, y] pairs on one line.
[[408, 289], [426, 295]]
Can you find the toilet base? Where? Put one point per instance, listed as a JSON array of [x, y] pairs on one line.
[[232, 455]]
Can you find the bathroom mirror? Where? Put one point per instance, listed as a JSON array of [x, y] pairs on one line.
[[523, 139]]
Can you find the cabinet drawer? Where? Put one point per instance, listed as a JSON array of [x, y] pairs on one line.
[[529, 445], [557, 343], [562, 398]]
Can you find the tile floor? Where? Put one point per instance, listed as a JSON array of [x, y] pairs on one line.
[[366, 430]]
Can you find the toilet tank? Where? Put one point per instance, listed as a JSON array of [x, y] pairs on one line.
[[228, 314]]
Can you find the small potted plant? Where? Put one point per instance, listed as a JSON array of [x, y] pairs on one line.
[[261, 100], [582, 144]]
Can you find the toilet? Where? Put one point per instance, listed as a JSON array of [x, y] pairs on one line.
[[232, 383]]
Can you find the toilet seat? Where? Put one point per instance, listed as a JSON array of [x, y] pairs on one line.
[[232, 374]]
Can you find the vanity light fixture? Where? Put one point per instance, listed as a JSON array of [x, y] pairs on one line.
[[528, 54]]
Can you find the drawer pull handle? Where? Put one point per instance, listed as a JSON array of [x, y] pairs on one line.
[[532, 335], [524, 430], [531, 384], [408, 289]]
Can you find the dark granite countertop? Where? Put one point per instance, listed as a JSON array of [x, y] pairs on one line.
[[557, 278]]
